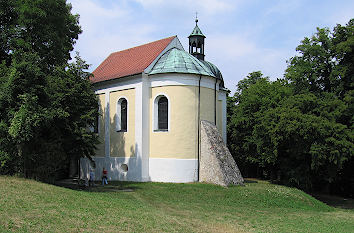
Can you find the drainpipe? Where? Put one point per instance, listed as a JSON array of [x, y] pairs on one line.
[[215, 101], [200, 77]]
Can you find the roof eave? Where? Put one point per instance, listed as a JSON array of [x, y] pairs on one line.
[[119, 77], [196, 35]]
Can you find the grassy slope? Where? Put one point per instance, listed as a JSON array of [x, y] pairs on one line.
[[26, 205]]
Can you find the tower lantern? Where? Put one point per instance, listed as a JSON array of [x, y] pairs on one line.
[[196, 42]]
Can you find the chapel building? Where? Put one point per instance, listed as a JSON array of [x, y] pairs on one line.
[[152, 99]]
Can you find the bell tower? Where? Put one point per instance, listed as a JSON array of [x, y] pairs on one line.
[[196, 42]]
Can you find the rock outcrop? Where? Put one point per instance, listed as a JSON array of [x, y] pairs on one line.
[[217, 165]]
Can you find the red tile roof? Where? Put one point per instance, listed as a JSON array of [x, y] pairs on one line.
[[130, 61]]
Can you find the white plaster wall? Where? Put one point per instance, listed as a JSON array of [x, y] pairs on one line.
[[175, 79], [145, 112], [113, 167], [173, 170], [118, 84], [161, 170]]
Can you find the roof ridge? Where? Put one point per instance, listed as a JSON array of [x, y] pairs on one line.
[[143, 44]]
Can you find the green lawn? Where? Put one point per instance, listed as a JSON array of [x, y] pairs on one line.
[[30, 206]]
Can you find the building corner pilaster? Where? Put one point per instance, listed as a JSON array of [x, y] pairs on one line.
[[142, 120], [146, 93], [107, 126]]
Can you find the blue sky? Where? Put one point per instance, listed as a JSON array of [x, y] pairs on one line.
[[241, 35]]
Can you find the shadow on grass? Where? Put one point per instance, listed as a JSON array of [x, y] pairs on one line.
[[331, 200], [335, 201], [250, 180], [112, 186]]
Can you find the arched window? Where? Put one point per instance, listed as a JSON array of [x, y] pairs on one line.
[[122, 115], [161, 113]]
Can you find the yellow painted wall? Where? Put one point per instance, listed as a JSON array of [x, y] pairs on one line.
[[207, 104], [219, 115], [122, 144], [100, 147], [181, 140], [207, 107]]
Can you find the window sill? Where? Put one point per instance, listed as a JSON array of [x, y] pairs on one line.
[[160, 130], [122, 131]]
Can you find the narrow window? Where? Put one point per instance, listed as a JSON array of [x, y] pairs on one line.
[[122, 115], [194, 47], [124, 111], [96, 124], [162, 113]]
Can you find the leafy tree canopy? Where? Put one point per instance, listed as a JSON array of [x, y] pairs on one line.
[[326, 62], [46, 103], [299, 130], [45, 27]]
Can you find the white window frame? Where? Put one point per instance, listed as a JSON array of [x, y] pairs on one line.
[[119, 112], [155, 120]]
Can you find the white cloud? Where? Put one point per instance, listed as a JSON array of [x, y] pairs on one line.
[[95, 11], [231, 46], [108, 29], [209, 7], [237, 55]]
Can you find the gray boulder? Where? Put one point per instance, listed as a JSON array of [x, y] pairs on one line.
[[217, 165]]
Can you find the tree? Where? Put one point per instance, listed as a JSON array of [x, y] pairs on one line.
[[290, 138], [46, 104], [325, 63], [245, 140], [299, 130], [8, 18], [325, 68], [46, 27]]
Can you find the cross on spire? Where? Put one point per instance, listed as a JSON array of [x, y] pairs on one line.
[[196, 17]]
